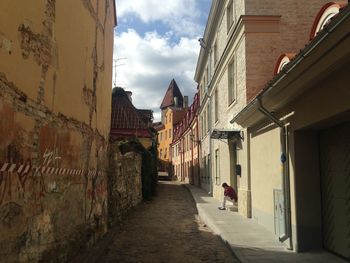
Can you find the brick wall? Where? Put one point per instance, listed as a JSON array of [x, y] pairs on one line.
[[264, 48]]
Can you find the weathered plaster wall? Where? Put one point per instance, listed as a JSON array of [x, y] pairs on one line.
[[55, 79], [124, 184]]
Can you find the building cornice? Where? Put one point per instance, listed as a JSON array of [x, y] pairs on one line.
[[215, 14], [326, 51], [245, 24]]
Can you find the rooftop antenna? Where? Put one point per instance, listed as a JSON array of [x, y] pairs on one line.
[[115, 62]]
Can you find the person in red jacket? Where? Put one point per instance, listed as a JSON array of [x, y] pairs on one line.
[[229, 195]]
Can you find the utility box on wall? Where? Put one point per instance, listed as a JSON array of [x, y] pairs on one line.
[[238, 170]]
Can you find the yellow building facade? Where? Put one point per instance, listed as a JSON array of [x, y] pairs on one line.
[[173, 108], [55, 94]]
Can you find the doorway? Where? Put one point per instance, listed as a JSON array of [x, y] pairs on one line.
[[335, 188]]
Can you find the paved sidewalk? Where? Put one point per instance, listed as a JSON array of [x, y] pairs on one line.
[[247, 239]]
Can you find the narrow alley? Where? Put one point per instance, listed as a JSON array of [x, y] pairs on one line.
[[126, 125], [166, 229]]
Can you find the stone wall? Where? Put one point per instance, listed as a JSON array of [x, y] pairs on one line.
[[124, 184], [55, 93]]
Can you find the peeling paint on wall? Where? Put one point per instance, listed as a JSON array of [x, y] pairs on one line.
[[5, 44], [53, 181], [37, 44]]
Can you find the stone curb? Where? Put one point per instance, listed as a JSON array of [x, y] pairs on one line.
[[209, 222]]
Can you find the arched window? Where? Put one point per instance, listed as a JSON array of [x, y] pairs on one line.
[[323, 17], [282, 61]]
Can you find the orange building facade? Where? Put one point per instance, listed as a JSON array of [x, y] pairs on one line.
[[174, 107]]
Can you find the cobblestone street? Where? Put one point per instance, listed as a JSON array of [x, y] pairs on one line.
[[166, 229]]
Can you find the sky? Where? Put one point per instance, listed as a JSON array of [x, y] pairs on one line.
[[154, 42]]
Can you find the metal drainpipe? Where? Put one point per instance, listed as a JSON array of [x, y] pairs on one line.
[[285, 179], [210, 147]]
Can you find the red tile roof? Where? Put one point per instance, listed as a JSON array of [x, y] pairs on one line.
[[127, 121], [147, 116], [158, 126], [172, 92]]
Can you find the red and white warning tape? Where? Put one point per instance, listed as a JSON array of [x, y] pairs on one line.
[[24, 169]]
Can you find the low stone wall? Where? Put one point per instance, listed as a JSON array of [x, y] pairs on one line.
[[124, 184]]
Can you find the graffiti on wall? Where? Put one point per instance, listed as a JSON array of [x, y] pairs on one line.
[[13, 177]]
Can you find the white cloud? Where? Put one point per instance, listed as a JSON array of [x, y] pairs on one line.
[[152, 61], [181, 16]]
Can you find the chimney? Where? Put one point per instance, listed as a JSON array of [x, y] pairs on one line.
[[176, 102], [129, 93], [185, 101]]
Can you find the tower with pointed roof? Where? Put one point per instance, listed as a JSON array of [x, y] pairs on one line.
[[173, 97], [173, 108]]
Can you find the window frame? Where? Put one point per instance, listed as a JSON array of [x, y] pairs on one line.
[[230, 16], [231, 81]]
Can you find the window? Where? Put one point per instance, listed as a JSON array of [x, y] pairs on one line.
[[169, 133], [187, 142], [229, 15], [217, 167], [216, 55], [207, 75], [202, 126], [160, 136], [166, 135], [204, 84], [208, 120], [231, 82], [216, 105], [161, 153], [205, 123]]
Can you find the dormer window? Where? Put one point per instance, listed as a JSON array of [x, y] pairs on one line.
[[324, 16], [282, 61]]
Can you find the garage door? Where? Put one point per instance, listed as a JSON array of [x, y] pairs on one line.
[[335, 181]]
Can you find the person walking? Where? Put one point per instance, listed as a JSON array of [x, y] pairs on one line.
[[229, 195]]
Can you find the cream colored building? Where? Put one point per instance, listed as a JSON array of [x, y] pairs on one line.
[[304, 113], [241, 43]]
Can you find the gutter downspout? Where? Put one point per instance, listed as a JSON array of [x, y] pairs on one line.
[[285, 179], [210, 146], [208, 105]]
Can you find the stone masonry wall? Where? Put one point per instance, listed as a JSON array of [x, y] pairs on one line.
[[124, 184], [55, 93]]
